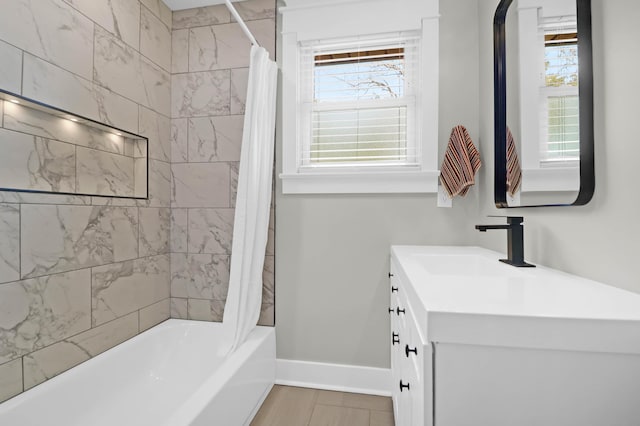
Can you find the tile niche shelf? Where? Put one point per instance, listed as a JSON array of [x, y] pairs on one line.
[[44, 149]]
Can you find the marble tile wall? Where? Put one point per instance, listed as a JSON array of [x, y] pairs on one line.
[[209, 72], [80, 274], [44, 152]]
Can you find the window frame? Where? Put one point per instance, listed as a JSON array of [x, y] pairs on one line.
[[310, 23], [309, 107]]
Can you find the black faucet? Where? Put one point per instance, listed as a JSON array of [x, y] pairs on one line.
[[515, 240]]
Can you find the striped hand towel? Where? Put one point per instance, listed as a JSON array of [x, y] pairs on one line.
[[514, 172], [461, 162]]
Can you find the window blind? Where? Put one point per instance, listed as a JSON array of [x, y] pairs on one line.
[[360, 100]]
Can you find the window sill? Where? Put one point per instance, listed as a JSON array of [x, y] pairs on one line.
[[556, 179], [414, 182]]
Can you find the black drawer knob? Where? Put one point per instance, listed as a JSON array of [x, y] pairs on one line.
[[395, 338], [394, 289], [403, 386], [407, 349], [391, 310], [390, 275], [399, 311]]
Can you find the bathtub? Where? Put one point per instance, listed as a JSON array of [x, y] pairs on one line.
[[169, 375]]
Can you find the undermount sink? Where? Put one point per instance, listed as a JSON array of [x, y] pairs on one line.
[[465, 265]]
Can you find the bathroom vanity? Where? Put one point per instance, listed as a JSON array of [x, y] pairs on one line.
[[477, 342]]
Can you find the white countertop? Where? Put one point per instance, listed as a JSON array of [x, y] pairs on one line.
[[467, 296]]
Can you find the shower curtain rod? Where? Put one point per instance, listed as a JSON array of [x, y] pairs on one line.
[[244, 27]]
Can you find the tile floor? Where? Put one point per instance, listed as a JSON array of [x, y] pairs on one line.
[[291, 406]]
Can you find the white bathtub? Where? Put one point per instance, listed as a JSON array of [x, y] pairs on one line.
[[167, 376]]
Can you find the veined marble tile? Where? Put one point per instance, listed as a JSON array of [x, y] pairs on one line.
[[55, 86], [52, 30], [179, 308], [239, 84], [264, 30], [35, 163], [180, 51], [179, 140], [125, 287], [200, 185], [199, 276], [178, 230], [116, 202], [39, 123], [159, 185], [155, 226], [38, 312], [215, 138], [234, 170], [46, 363], [10, 379], [10, 242], [267, 315], [200, 94], [159, 9], [155, 39], [272, 233], [157, 128], [154, 314], [218, 47], [201, 16], [210, 230], [63, 238], [10, 68], [119, 17], [140, 177], [267, 311], [28, 198], [103, 173], [205, 310], [122, 69], [256, 9]]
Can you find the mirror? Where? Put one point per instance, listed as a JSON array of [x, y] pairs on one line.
[[543, 103]]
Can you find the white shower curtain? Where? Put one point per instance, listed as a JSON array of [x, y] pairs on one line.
[[253, 203]]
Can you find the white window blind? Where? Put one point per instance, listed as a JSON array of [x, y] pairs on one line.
[[560, 101], [359, 103]]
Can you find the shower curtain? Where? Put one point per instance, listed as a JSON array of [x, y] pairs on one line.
[[253, 202]]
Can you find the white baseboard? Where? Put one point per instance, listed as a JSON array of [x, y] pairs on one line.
[[336, 377]]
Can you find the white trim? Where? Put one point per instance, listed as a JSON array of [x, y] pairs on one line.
[[360, 183], [558, 179], [324, 22], [336, 377]]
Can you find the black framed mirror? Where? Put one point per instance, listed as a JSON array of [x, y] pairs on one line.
[[543, 98]]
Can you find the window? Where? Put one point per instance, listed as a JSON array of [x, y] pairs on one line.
[[361, 104], [360, 97], [560, 105]]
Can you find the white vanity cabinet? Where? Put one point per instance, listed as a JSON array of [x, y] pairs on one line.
[[409, 351], [502, 346]]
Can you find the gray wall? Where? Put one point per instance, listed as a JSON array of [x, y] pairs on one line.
[[332, 250], [78, 274], [600, 241]]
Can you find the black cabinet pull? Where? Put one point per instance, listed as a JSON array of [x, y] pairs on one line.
[[395, 338], [391, 310], [407, 350], [390, 275], [399, 311], [394, 289], [403, 386]]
